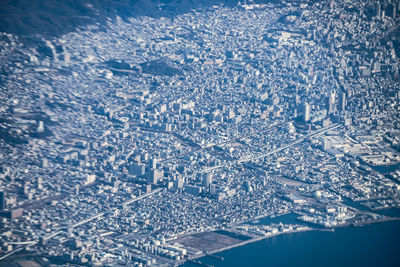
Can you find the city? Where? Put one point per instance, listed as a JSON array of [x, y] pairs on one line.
[[161, 140]]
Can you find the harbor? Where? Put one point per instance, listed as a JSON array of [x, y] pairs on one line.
[[370, 245]]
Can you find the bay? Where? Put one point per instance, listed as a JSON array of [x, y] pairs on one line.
[[370, 245]]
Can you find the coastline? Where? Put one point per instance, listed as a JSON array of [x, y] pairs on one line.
[[303, 229]]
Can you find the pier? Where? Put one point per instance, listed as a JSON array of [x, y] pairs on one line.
[[215, 256], [200, 263]]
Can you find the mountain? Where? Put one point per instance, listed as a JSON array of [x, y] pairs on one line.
[[52, 18]]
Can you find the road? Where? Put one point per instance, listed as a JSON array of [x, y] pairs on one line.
[[225, 142], [299, 140], [24, 244]]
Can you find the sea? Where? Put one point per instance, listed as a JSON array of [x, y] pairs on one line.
[[376, 244]]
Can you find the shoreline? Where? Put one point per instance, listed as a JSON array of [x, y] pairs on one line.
[[306, 229], [253, 240]]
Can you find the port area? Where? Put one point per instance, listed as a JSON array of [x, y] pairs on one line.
[[203, 244], [209, 243]]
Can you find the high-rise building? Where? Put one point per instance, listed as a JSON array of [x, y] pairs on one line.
[[126, 126], [154, 175], [342, 101], [326, 145], [378, 9], [179, 183], [391, 10], [207, 179], [147, 188], [153, 164], [90, 178], [40, 128], [144, 156], [2, 200], [137, 169], [44, 163], [330, 103], [213, 189], [398, 6], [306, 112], [77, 189]]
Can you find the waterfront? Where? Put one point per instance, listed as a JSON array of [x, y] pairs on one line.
[[370, 245]]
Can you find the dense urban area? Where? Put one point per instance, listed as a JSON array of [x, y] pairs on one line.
[[155, 141]]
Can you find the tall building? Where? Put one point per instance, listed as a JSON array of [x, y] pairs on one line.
[[378, 9], [179, 183], [326, 145], [147, 188], [342, 101], [398, 5], [154, 175], [391, 10], [153, 164], [77, 189], [126, 126], [330, 103], [207, 179], [44, 163], [306, 112], [137, 169], [2, 200], [213, 189], [40, 128]]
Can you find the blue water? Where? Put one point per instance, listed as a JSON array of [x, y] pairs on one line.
[[371, 245], [289, 218]]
